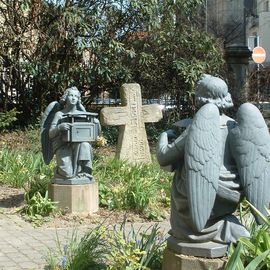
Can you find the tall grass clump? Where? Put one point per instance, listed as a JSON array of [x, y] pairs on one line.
[[142, 187], [254, 252], [23, 169], [135, 249], [110, 248], [87, 252]]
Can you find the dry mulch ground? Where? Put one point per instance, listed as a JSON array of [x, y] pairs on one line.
[[11, 198]]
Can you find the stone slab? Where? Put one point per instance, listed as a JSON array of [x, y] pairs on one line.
[[73, 181], [76, 199], [174, 261], [208, 250]]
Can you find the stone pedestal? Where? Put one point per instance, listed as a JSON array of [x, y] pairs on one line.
[[76, 199], [173, 261], [205, 250], [237, 58]]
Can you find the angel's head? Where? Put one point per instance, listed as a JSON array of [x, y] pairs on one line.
[[71, 92], [214, 90]]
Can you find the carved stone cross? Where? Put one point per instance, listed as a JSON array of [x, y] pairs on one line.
[[132, 142]]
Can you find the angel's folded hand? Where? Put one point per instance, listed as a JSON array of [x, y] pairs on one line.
[[63, 126]]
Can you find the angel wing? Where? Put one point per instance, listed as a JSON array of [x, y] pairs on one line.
[[202, 164], [250, 145], [46, 143]]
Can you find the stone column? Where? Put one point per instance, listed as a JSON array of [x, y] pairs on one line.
[[237, 58]]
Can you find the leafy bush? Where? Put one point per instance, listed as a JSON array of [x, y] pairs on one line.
[[7, 118], [254, 252], [110, 133], [143, 187], [130, 44]]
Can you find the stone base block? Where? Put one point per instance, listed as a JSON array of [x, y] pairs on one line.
[[76, 199], [206, 250], [173, 261], [73, 181]]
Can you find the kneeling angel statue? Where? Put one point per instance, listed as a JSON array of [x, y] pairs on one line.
[[67, 131], [217, 161]]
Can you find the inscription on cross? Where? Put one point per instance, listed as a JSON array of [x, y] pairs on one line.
[[132, 142]]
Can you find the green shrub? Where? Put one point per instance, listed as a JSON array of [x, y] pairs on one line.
[[254, 252], [110, 133], [7, 118], [143, 187]]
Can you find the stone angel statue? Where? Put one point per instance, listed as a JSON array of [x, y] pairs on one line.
[[67, 131], [217, 161]]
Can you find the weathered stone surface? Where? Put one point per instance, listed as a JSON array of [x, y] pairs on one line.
[[73, 181], [208, 249], [173, 261], [132, 141], [76, 199]]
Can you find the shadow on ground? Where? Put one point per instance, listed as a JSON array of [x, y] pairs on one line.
[[10, 197]]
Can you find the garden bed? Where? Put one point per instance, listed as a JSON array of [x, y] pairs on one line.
[[131, 193]]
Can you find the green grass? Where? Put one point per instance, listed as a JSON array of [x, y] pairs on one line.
[[20, 169], [254, 252], [143, 188]]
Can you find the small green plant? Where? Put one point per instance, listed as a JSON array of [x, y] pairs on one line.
[[38, 183], [7, 118], [37, 207], [110, 133], [254, 252], [135, 249], [88, 252]]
